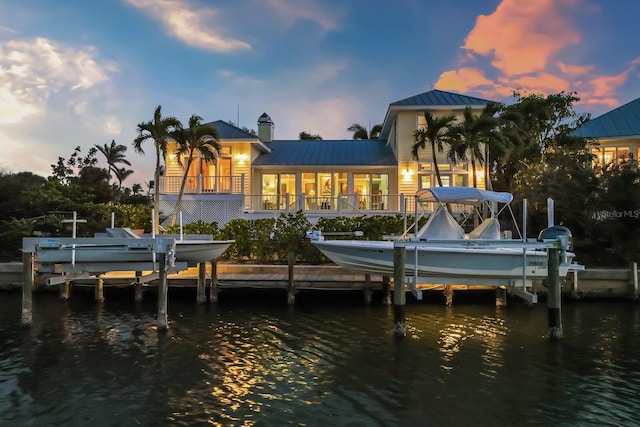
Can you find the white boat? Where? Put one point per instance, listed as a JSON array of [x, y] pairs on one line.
[[122, 245], [190, 248], [442, 253]]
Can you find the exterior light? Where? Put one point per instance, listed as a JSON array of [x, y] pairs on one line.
[[407, 174], [241, 158]]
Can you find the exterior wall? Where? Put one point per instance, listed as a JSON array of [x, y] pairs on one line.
[[408, 173], [620, 145]]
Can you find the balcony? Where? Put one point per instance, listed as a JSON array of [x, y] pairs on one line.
[[203, 184]]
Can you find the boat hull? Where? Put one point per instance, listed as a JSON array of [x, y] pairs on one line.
[[443, 264], [128, 251]]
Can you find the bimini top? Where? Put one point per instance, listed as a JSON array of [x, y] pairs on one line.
[[463, 195]]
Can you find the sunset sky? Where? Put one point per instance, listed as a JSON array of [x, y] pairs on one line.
[[79, 73]]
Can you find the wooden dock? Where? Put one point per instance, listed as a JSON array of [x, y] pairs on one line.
[[591, 283]]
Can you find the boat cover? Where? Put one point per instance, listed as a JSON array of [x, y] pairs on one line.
[[463, 195]]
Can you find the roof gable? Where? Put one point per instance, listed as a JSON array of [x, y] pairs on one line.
[[327, 153], [229, 131], [440, 98], [623, 121]]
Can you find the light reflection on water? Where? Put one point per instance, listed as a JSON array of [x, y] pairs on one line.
[[255, 361]]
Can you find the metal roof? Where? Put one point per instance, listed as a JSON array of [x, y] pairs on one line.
[[440, 97], [229, 131], [623, 121], [327, 153]]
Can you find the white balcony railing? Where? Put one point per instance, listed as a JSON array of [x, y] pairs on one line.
[[202, 184]]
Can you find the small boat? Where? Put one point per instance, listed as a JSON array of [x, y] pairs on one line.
[[440, 252], [122, 245], [190, 248]]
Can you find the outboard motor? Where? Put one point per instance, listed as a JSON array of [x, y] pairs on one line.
[[558, 232]]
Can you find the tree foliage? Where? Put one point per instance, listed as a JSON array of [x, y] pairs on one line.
[[305, 135], [158, 130], [360, 132]]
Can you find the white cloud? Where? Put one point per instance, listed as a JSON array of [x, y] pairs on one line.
[[54, 97], [196, 27], [33, 70], [292, 11]]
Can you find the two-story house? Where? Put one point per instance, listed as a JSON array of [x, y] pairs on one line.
[[261, 176], [617, 133]]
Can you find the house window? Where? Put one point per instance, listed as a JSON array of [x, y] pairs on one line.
[[275, 188], [421, 122], [611, 154], [460, 180], [425, 181]]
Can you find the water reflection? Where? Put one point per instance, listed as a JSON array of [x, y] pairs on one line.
[[248, 363]]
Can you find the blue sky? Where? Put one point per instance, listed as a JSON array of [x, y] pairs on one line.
[[79, 73]]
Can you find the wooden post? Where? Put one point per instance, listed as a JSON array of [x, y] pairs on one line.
[[163, 321], [368, 289], [138, 287], [399, 297], [213, 292], [634, 280], [501, 296], [65, 290], [291, 285], [99, 289], [386, 290], [448, 295], [574, 285], [554, 299], [27, 288], [201, 297]]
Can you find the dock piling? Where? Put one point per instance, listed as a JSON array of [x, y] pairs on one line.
[[368, 289], [213, 291], [99, 289], [163, 321], [501, 296], [399, 297], [448, 295], [201, 297], [27, 288], [634, 280], [65, 290], [554, 298], [138, 287], [291, 285], [386, 290]]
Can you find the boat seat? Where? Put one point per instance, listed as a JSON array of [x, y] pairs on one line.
[[441, 226], [488, 229]]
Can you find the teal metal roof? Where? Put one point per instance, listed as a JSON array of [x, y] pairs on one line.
[[440, 97], [229, 131], [327, 153], [623, 121]]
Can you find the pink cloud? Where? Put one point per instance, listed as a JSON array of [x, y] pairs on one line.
[[462, 79], [603, 86], [524, 42], [522, 37], [574, 70]]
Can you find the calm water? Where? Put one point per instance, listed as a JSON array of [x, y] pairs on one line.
[[330, 360]]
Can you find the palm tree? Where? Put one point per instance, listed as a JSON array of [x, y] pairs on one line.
[[121, 175], [199, 137], [158, 130], [114, 155], [473, 136], [435, 134], [360, 132]]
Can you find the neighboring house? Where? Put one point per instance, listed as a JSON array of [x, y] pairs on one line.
[[259, 176], [617, 133]]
